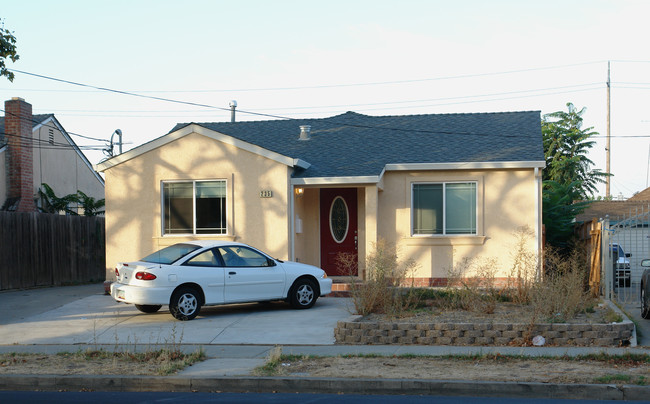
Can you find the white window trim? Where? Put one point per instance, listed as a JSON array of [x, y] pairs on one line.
[[444, 204], [162, 210]]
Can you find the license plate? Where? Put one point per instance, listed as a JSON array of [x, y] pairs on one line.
[[120, 294]]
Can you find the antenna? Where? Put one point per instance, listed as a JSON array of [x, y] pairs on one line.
[[109, 150]]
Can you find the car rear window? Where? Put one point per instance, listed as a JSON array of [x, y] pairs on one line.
[[170, 254]]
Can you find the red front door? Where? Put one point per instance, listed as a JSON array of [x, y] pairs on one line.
[[338, 227]]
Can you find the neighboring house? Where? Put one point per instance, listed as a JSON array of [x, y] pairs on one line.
[[35, 149], [441, 187], [629, 221]]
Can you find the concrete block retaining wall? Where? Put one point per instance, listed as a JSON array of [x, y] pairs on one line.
[[386, 333]]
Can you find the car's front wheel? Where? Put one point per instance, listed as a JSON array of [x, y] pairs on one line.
[[148, 308], [303, 294], [645, 306], [185, 304]]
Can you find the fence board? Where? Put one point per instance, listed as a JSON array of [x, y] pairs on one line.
[[39, 249]]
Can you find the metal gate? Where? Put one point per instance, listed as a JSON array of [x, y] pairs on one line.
[[625, 242]]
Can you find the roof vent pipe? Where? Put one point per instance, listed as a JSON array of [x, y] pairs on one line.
[[304, 132], [233, 105]]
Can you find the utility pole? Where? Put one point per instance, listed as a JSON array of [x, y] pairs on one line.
[[607, 148]]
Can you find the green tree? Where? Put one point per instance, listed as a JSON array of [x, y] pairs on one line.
[[50, 203], [566, 145], [559, 211], [90, 205], [7, 50]]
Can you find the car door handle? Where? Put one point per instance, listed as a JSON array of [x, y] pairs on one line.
[[232, 273]]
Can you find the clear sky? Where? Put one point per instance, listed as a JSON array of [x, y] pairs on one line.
[[310, 59]]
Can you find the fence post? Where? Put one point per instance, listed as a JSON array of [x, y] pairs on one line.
[[607, 262]]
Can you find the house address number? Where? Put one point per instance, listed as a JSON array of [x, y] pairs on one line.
[[266, 194]]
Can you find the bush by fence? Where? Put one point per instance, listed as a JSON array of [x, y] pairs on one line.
[[40, 249]]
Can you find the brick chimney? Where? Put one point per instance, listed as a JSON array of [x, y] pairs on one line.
[[18, 130]]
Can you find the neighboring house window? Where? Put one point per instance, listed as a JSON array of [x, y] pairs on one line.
[[194, 207], [444, 208]]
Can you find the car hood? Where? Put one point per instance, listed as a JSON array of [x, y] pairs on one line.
[[300, 267]]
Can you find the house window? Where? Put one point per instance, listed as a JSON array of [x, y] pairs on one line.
[[444, 208], [194, 207]]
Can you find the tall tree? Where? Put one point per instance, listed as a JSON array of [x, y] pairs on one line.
[[7, 50], [566, 145]]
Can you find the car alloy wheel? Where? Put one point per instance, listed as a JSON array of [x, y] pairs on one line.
[[303, 294], [185, 304]]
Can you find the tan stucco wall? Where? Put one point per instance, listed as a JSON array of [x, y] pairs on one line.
[[133, 197], [307, 210], [506, 202], [61, 167]]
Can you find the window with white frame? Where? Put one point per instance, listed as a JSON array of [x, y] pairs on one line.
[[194, 207], [447, 208]]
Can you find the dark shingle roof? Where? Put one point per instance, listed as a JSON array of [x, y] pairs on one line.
[[353, 144], [36, 120]]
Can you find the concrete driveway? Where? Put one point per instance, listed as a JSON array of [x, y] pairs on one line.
[[87, 316]]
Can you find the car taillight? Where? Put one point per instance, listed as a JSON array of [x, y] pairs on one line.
[[145, 276], [117, 273]]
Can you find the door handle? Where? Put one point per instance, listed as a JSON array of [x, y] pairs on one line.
[[232, 273]]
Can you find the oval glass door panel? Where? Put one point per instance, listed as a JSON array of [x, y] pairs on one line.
[[339, 219]]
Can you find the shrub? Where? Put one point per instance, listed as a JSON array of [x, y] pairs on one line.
[[385, 274]]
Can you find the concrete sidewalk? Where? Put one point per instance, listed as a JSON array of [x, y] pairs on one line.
[[236, 339], [97, 319]]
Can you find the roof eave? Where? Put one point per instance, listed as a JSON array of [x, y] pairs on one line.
[[476, 165], [201, 130]]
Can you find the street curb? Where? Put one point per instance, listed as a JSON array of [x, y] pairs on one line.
[[323, 386]]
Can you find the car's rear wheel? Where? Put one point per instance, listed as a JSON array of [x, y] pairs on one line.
[[645, 306], [148, 308], [303, 294], [185, 304]]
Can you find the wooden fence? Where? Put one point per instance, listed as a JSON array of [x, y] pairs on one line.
[[40, 249]]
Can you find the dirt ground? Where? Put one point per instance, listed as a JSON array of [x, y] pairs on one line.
[[486, 369], [514, 370]]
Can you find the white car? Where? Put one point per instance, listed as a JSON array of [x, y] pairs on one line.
[[189, 275]]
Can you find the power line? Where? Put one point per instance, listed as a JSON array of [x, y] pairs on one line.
[[375, 83], [144, 96], [35, 121], [46, 144], [353, 105]]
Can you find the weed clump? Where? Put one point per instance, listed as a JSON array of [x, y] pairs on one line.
[[386, 288]]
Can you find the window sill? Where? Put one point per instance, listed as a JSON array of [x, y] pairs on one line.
[[445, 240], [170, 239]]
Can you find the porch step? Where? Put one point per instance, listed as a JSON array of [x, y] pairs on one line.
[[340, 289]]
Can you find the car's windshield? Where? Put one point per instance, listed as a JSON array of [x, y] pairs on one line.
[[170, 254]]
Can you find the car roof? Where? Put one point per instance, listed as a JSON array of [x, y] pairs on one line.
[[211, 243]]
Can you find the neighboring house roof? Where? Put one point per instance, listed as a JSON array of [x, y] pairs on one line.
[[356, 145], [641, 196], [39, 120], [614, 209]]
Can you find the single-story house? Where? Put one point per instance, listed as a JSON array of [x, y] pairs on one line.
[[441, 187], [36, 149]]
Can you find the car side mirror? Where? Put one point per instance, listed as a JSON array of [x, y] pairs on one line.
[[271, 263], [628, 255], [645, 263]]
